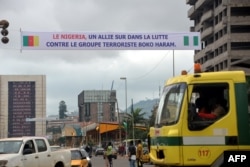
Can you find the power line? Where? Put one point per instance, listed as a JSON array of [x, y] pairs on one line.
[[147, 73]]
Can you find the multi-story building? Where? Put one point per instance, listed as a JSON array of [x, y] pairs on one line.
[[97, 106], [22, 97], [225, 33]]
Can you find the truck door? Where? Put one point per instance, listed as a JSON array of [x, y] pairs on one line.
[[45, 157], [30, 157], [208, 131]]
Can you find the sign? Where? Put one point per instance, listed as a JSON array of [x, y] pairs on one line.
[[109, 41], [21, 105]]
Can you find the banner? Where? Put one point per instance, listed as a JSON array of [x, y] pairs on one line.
[[109, 41]]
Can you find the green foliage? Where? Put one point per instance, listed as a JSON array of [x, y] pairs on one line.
[[125, 125], [152, 117], [137, 117]]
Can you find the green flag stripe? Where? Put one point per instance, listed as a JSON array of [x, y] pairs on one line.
[[186, 40], [195, 41], [25, 41]]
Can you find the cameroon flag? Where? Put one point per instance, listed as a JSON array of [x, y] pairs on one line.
[[31, 41]]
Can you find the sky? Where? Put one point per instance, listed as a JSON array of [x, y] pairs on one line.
[[69, 72]]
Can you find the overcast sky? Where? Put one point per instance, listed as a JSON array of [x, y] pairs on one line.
[[68, 72]]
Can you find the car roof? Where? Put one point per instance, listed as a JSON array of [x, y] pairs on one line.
[[74, 149]]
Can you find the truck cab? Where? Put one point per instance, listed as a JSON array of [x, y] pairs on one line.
[[186, 135], [31, 151]]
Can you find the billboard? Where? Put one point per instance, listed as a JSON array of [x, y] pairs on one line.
[[21, 97]]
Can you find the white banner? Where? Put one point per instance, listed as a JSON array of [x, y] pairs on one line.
[[109, 41]]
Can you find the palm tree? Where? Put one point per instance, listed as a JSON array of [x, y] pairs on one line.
[[134, 118]]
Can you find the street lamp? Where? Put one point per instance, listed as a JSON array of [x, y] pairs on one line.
[[119, 122], [126, 136]]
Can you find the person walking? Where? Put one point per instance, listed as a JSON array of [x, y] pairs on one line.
[[139, 153], [109, 154], [131, 154], [105, 156]]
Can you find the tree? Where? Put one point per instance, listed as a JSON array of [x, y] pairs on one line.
[[136, 117], [153, 116], [62, 110]]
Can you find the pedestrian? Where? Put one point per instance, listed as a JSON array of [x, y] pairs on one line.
[[131, 154], [87, 148], [109, 154], [139, 153], [106, 160]]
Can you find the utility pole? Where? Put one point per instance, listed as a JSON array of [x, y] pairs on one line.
[[125, 79], [133, 122], [119, 122]]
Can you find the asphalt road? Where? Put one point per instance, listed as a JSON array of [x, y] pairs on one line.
[[119, 162]]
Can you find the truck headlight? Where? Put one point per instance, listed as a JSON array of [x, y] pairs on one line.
[[3, 163]]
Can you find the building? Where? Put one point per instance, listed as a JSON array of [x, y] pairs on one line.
[[225, 33], [97, 106], [22, 97]]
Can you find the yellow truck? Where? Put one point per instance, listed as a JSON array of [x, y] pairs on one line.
[[182, 136]]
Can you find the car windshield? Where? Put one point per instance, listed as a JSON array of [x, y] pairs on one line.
[[10, 147], [75, 155], [84, 153], [170, 105]]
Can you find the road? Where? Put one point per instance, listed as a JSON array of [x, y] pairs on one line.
[[119, 162]]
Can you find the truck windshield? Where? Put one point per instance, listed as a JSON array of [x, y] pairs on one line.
[[170, 105], [10, 147]]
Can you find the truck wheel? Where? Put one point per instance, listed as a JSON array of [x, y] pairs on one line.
[[59, 164]]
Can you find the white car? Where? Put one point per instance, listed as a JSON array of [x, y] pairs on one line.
[[31, 151]]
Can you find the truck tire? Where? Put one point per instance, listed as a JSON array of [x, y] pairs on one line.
[[59, 164]]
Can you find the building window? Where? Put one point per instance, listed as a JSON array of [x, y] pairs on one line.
[[87, 109]]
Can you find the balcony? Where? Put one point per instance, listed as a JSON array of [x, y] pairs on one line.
[[207, 15], [209, 48], [191, 12], [219, 26], [191, 2], [197, 27], [207, 32], [240, 37], [235, 3], [240, 53], [221, 41], [201, 3], [240, 20]]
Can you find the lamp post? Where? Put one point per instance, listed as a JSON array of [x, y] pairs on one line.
[[126, 135], [119, 122], [133, 121]]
